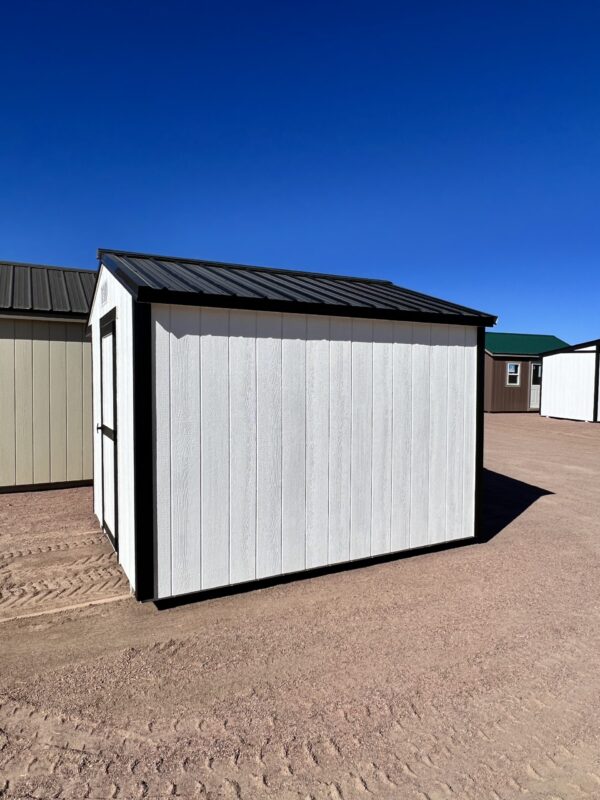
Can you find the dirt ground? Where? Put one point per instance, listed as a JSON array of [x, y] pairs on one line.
[[469, 673]]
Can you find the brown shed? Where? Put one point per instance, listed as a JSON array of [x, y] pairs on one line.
[[513, 370]]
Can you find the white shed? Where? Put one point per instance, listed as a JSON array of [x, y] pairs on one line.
[[255, 422], [570, 382]]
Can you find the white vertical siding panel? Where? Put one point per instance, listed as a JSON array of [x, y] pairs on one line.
[[185, 450], [214, 382], [96, 404], [161, 326], [320, 439], [438, 433], [362, 437], [340, 437], [568, 385], [383, 406], [419, 503], [293, 379], [268, 444], [402, 435], [469, 461], [317, 441], [242, 445], [113, 296], [455, 432]]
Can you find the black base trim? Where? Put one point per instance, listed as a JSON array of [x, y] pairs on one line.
[[571, 419], [44, 487], [307, 574], [479, 423]]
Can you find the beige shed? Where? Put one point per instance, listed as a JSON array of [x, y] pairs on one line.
[[45, 377]]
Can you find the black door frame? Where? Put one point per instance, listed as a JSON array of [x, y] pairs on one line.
[[108, 327]]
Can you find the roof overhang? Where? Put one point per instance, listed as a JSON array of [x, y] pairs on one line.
[[146, 294]]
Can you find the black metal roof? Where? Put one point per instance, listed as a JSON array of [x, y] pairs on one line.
[[165, 279], [42, 291]]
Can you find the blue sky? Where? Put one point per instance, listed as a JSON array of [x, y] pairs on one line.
[[451, 147]]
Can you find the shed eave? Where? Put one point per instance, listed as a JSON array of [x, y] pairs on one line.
[[56, 316], [150, 295]]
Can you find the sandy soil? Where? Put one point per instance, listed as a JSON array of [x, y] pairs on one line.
[[469, 673]]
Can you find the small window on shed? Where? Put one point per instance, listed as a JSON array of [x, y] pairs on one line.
[[513, 374]]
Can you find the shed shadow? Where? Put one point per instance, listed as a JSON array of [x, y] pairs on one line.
[[505, 499]]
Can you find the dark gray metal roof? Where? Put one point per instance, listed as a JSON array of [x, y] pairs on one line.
[[165, 279], [41, 291]]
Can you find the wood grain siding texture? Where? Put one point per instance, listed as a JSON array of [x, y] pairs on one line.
[[317, 440], [502, 398], [111, 295], [46, 431], [568, 385]]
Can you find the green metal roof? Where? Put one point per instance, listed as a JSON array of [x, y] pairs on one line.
[[521, 344]]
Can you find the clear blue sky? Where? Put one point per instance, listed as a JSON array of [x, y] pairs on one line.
[[451, 147]]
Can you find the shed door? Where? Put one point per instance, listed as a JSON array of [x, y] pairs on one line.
[[108, 427], [535, 383]]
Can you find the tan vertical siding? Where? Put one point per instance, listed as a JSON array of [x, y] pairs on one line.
[[41, 402], [24, 401], [45, 403], [7, 402], [74, 365], [58, 404], [87, 446]]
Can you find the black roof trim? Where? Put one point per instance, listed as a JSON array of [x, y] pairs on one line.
[[165, 279], [572, 347], [38, 290]]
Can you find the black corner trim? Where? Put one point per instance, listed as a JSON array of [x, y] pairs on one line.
[[478, 532], [596, 384], [142, 452]]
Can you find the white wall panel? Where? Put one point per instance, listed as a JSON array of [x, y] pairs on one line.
[[361, 438], [242, 445], [317, 441], [420, 449], [185, 449], [568, 385], [340, 438], [109, 295], [293, 442], [214, 382], [381, 459], [320, 440], [268, 445]]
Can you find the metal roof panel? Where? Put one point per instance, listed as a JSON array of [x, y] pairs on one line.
[[168, 279], [45, 291]]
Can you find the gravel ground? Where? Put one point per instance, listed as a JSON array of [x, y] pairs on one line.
[[469, 673]]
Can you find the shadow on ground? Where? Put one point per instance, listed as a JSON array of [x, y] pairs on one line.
[[504, 499]]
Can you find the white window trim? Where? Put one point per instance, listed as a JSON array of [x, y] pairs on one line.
[[518, 365]]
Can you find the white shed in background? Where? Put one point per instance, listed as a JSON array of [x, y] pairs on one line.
[[254, 422], [570, 382]]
